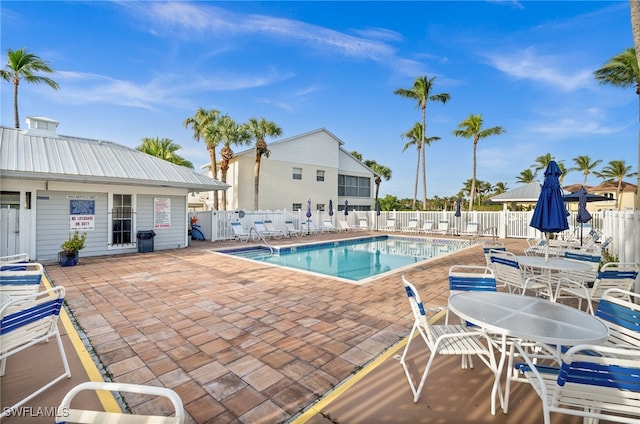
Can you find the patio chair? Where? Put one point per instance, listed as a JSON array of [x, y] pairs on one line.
[[593, 381], [443, 227], [412, 226], [168, 402], [20, 279], [471, 230], [612, 275], [308, 227], [273, 231], [20, 257], [261, 229], [363, 224], [508, 272], [427, 227], [239, 232], [442, 340], [470, 278], [390, 225], [344, 226], [587, 277], [621, 316], [291, 229], [25, 322], [328, 226]]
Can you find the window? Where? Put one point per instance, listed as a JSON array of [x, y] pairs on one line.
[[10, 199], [319, 175], [297, 173], [320, 207], [351, 186], [122, 220], [296, 207]]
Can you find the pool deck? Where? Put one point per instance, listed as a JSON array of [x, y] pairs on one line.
[[244, 342]]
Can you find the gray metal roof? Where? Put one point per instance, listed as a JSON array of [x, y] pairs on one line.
[[32, 155], [526, 193]]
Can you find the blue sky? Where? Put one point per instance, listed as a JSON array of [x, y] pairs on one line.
[[129, 70]]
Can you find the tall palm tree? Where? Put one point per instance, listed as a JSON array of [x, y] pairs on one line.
[[584, 165], [259, 129], [616, 170], [22, 65], [499, 188], [381, 172], [542, 162], [421, 92], [623, 71], [200, 121], [527, 176], [229, 132], [165, 149], [416, 138], [472, 128]]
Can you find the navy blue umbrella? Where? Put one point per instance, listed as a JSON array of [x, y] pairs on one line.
[[550, 214], [308, 215], [583, 213], [330, 207], [458, 214], [378, 207], [346, 207]]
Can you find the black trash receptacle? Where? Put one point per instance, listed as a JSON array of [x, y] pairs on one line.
[[145, 241]]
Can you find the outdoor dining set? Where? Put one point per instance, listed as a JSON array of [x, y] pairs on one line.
[[521, 315]]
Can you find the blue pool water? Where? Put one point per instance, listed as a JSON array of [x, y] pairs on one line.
[[353, 259]]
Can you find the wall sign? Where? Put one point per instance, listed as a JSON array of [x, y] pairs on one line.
[[161, 212], [82, 213]]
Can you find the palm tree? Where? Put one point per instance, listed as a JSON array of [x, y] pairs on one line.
[[623, 71], [616, 170], [500, 187], [259, 129], [527, 176], [22, 65], [584, 165], [421, 92], [472, 128], [542, 162], [381, 172], [229, 133], [416, 138], [200, 121], [165, 149]]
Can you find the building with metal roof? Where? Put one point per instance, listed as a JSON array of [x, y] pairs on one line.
[[53, 185]]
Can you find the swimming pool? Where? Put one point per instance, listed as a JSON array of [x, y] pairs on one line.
[[355, 260]]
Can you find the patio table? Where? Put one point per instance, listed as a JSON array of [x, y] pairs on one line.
[[552, 264], [530, 319]]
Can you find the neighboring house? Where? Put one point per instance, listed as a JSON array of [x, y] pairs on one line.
[[525, 195], [627, 195], [54, 184], [308, 166]]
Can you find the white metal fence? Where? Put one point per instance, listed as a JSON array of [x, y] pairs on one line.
[[622, 226]]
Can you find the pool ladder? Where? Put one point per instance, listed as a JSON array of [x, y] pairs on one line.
[[261, 237]]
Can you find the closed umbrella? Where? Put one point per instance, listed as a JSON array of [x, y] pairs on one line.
[[308, 214], [330, 207], [458, 214], [377, 212], [550, 214], [346, 207], [583, 213]]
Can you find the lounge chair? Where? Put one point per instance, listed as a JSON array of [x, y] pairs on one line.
[[25, 322], [239, 232], [427, 227], [20, 257], [277, 234], [328, 226], [344, 226], [291, 229], [412, 227], [308, 227], [390, 225], [471, 230], [20, 278], [262, 230], [66, 413], [363, 224], [443, 227]]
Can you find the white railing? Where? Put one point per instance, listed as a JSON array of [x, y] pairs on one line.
[[622, 226]]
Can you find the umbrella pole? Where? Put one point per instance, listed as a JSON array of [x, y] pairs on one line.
[[546, 250]]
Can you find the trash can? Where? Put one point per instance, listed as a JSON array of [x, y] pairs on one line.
[[145, 241]]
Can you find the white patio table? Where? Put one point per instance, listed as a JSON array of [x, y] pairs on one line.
[[526, 318], [552, 264]]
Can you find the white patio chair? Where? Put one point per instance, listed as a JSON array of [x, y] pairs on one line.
[[328, 226], [291, 229], [612, 275], [169, 403], [20, 257], [442, 340], [588, 257], [239, 232], [470, 278], [25, 322], [620, 310], [363, 224], [344, 226], [20, 278], [273, 231], [508, 272], [471, 230], [261, 229], [390, 225], [309, 227], [443, 227], [412, 226], [595, 382], [427, 227]]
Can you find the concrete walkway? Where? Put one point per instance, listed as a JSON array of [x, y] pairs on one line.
[[243, 342]]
